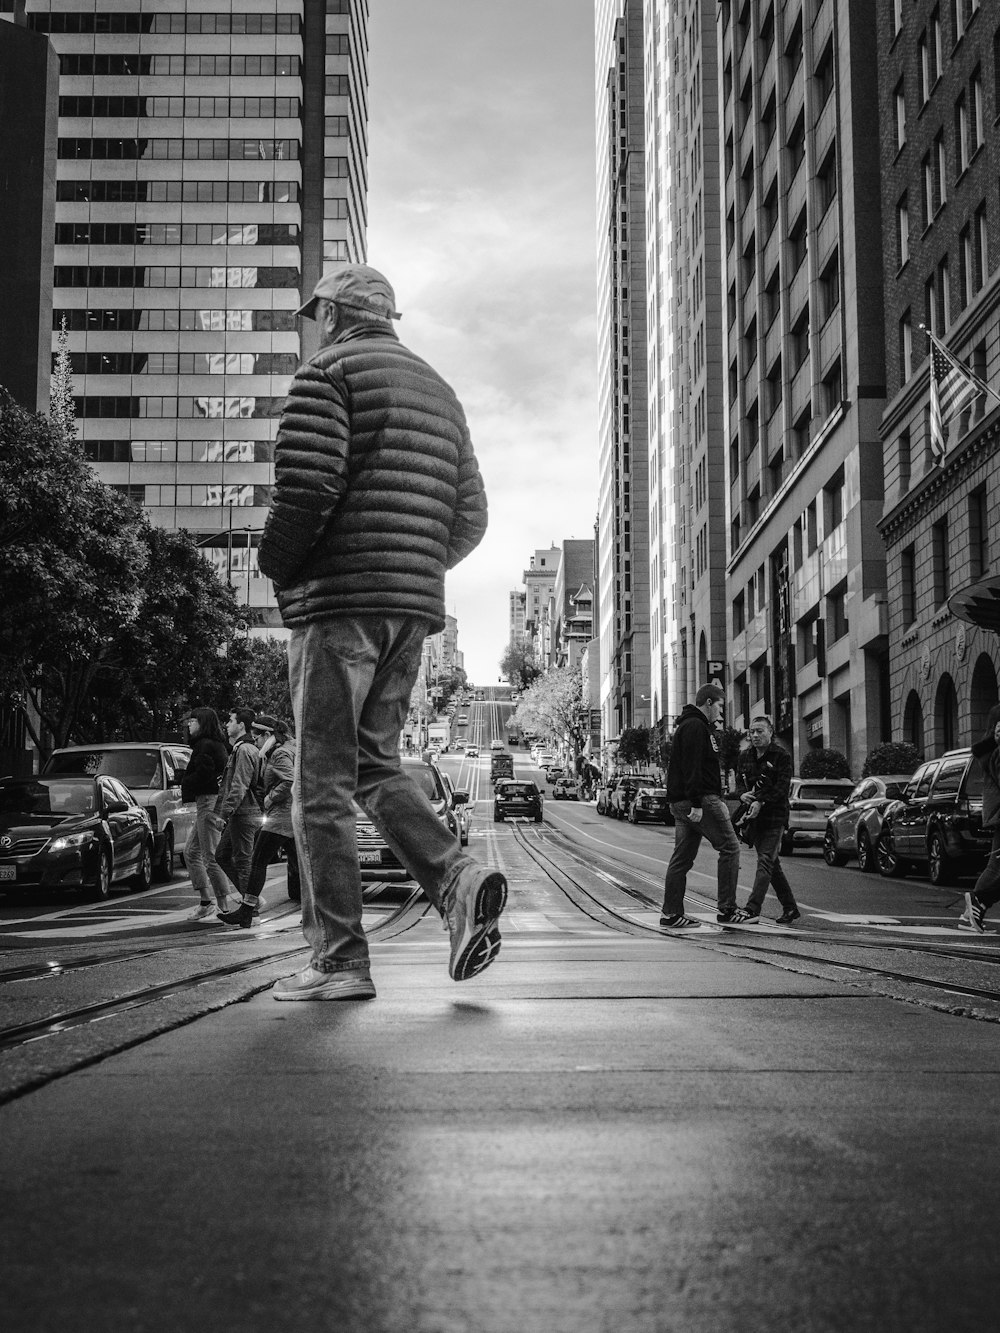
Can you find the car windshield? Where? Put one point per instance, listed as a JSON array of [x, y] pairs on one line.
[[44, 797], [132, 768], [817, 793], [518, 789]]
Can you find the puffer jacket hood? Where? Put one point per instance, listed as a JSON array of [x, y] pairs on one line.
[[377, 488]]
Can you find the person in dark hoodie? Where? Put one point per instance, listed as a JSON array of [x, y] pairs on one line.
[[200, 783], [986, 890], [763, 783], [694, 790]]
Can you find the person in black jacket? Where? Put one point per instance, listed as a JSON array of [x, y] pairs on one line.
[[986, 890], [377, 494], [200, 783], [763, 781], [694, 790]]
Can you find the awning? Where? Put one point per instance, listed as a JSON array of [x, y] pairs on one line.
[[979, 603]]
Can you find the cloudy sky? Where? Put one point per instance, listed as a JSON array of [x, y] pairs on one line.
[[481, 214]]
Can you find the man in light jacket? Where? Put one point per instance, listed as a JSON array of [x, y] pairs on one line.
[[237, 812], [377, 493]]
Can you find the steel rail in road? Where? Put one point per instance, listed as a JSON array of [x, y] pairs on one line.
[[397, 923]]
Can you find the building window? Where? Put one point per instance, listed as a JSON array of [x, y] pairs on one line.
[[908, 585], [829, 287], [826, 180], [903, 460], [800, 339], [833, 503], [979, 552], [975, 111], [793, 47], [824, 75], [897, 16], [836, 613], [962, 145], [927, 174], [905, 348], [769, 209], [939, 557], [900, 99], [798, 242], [796, 144], [966, 267], [980, 244], [924, 67], [941, 180], [739, 614], [944, 295], [832, 389], [903, 230]]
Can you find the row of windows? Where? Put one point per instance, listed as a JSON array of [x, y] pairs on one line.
[[131, 320], [184, 192], [973, 271], [182, 363], [177, 233], [173, 275], [197, 150], [942, 562], [962, 12], [250, 24], [970, 128], [135, 65], [160, 107], [179, 451], [208, 497], [168, 406]]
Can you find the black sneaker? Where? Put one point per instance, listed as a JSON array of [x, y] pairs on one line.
[[241, 916], [734, 916], [789, 915], [679, 922]]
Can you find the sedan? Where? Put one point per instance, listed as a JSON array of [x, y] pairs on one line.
[[649, 803], [564, 789], [376, 858], [811, 801], [472, 752], [87, 834], [853, 828]]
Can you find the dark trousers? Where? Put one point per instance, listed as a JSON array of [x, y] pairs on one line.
[[266, 847], [769, 868], [235, 847]]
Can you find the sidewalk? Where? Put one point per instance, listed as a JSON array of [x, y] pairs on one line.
[[598, 1134]]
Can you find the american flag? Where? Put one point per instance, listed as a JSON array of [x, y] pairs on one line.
[[953, 388]]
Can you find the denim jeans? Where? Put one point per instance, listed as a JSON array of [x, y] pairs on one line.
[[351, 678], [715, 825], [235, 848], [265, 851], [987, 887], [769, 868], [207, 875]]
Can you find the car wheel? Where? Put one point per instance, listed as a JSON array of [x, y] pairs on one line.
[[939, 865], [830, 854], [143, 877], [889, 864], [866, 853], [538, 819], [100, 890], [165, 865]]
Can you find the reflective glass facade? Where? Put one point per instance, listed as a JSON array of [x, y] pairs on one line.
[[211, 162]]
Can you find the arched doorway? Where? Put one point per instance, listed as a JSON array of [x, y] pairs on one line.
[[982, 695], [945, 715], [913, 722]]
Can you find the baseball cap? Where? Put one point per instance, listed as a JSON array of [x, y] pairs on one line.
[[355, 285], [707, 693]]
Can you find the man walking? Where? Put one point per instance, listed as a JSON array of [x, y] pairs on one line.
[[763, 782], [377, 494], [694, 790], [986, 890], [237, 812]]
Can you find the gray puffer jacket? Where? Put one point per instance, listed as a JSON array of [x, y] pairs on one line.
[[377, 488]]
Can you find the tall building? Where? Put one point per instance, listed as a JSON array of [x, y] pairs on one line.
[[623, 465], [939, 90], [572, 614], [539, 580], [517, 616], [210, 164], [804, 370]]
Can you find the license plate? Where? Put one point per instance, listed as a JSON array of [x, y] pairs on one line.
[[370, 858], [8, 872]]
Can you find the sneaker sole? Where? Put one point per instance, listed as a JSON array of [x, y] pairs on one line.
[[364, 991], [965, 924], [480, 949]]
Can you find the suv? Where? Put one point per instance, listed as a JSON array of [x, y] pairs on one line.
[[152, 771], [938, 821], [853, 828], [623, 793], [810, 801], [517, 798], [376, 859], [564, 789]]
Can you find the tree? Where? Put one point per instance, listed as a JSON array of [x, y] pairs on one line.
[[634, 746], [553, 707], [519, 665], [62, 405], [824, 764], [891, 757], [730, 743], [263, 684]]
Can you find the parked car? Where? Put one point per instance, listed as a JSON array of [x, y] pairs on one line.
[[810, 802], [853, 828], [937, 822], [375, 857], [517, 798], [649, 803], [603, 796], [463, 811], [73, 833], [564, 789], [623, 794], [152, 771]]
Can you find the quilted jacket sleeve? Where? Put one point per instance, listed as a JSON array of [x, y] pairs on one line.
[[310, 469], [469, 525]]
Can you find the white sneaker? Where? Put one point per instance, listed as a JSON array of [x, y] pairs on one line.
[[309, 984], [205, 912]]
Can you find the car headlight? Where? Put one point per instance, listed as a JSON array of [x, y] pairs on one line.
[[70, 840]]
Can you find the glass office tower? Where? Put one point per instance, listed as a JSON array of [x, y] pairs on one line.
[[212, 160]]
